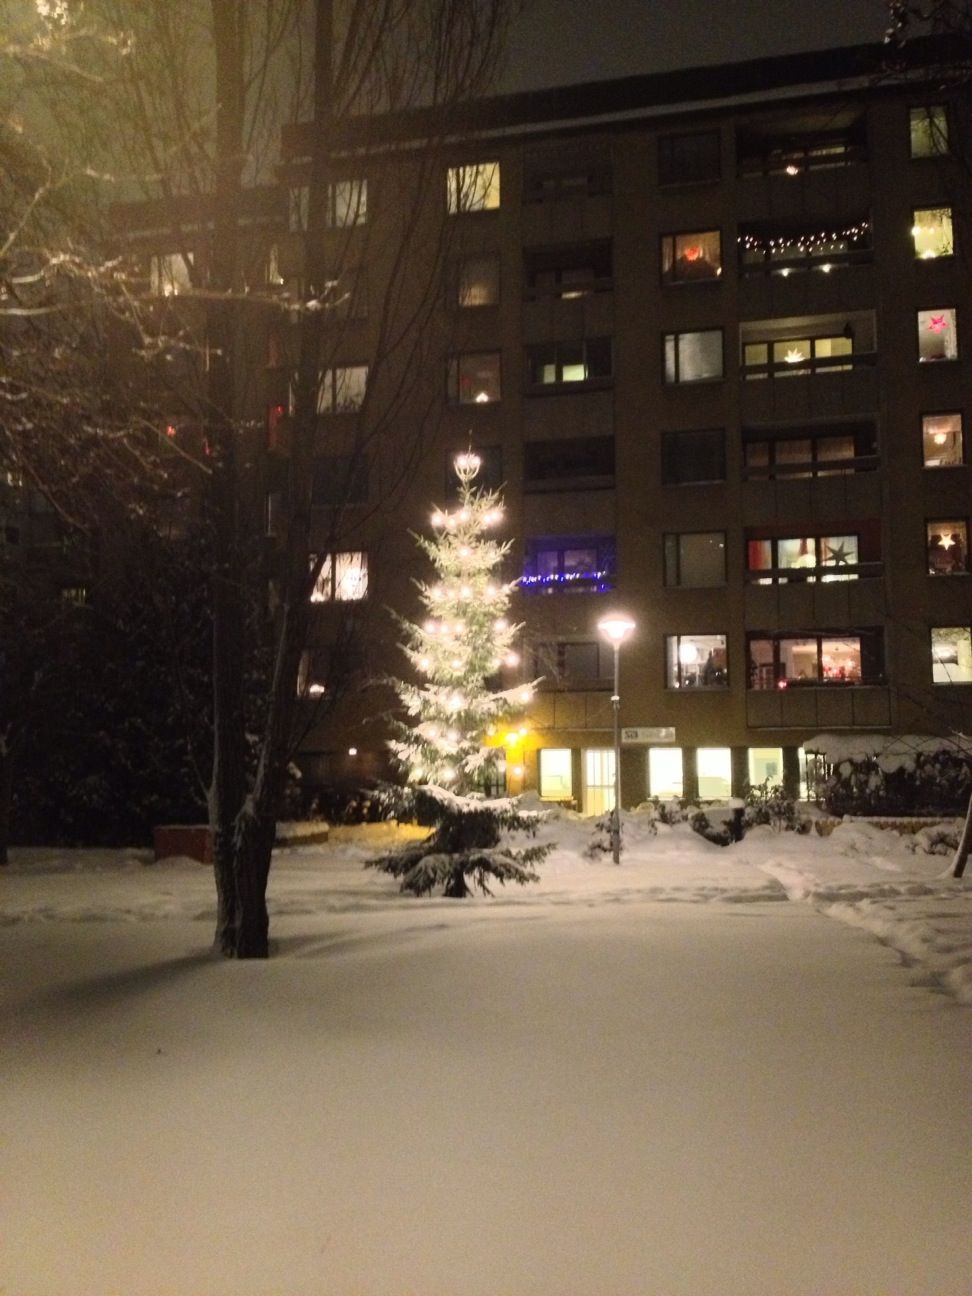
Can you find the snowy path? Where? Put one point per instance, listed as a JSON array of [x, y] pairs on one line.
[[538, 1099]]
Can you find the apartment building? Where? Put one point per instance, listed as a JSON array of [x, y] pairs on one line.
[[712, 333]]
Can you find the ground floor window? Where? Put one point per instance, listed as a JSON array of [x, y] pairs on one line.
[[765, 765], [665, 772], [714, 765], [598, 780], [556, 773]]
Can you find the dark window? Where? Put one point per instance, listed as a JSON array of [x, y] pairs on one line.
[[698, 455], [569, 563], [695, 559], [567, 272], [689, 159], [809, 142], [340, 479], [478, 280], [569, 663], [474, 378], [561, 364], [566, 171], [828, 450], [566, 465]]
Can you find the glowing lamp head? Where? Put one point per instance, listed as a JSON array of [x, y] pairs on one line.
[[468, 464], [615, 627]]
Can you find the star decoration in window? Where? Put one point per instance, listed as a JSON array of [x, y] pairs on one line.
[[938, 324]]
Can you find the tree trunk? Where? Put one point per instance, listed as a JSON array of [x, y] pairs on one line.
[[965, 844]]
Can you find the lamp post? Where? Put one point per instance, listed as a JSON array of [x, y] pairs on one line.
[[615, 627]]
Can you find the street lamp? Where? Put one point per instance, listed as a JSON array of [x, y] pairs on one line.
[[616, 627]]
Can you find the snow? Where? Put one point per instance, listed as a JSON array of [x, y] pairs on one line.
[[674, 1077]]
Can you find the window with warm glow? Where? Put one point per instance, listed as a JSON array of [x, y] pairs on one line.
[[931, 231], [474, 378], [789, 661], [347, 203], [693, 357], [689, 258], [473, 188], [343, 578], [695, 559], [802, 558], [765, 765], [941, 440], [556, 364], [556, 769], [929, 131], [696, 661], [785, 249], [342, 390], [170, 275], [937, 334], [478, 280], [665, 772], [713, 766], [951, 653], [948, 547]]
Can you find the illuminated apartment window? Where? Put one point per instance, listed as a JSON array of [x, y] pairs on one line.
[[474, 378], [347, 203], [665, 772], [693, 357], [951, 653], [929, 131], [690, 258], [558, 563], [695, 559], [941, 440], [782, 661], [793, 356], [478, 280], [342, 390], [802, 558], [170, 275], [560, 364], [821, 451], [937, 334], [473, 188], [931, 230], [714, 768], [948, 547], [556, 773], [343, 578], [696, 661]]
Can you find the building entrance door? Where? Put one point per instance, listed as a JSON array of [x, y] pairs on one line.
[[598, 780]]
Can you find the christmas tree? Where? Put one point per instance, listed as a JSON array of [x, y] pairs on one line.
[[444, 752]]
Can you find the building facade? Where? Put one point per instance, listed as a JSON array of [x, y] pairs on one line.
[[712, 333]]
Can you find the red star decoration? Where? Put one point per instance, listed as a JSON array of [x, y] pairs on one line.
[[938, 324]]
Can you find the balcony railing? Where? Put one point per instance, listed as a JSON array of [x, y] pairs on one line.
[[811, 365], [812, 468], [825, 573]]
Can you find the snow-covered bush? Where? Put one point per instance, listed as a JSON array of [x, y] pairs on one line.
[[769, 804], [936, 839], [905, 775]]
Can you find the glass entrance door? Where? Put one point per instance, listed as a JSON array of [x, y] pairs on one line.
[[598, 780]]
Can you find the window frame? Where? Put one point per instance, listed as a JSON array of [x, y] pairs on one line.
[[455, 378], [458, 281], [669, 252], [330, 576], [932, 313], [945, 136], [943, 665], [948, 233], [464, 195], [926, 418], [565, 579], [560, 352], [870, 649], [677, 380], [676, 569], [332, 382], [678, 666], [668, 456], [953, 564]]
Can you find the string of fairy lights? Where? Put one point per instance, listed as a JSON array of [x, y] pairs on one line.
[[807, 242]]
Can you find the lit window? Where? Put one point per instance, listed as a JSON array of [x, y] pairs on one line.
[[941, 439], [795, 559], [693, 357], [713, 766], [347, 203], [931, 230], [937, 334], [298, 208], [556, 773], [170, 275], [665, 772], [598, 781], [474, 378], [790, 357], [561, 363], [948, 547], [789, 661], [929, 131], [695, 559], [343, 578], [341, 390], [687, 258], [575, 563], [478, 280], [765, 765], [473, 188], [696, 661], [951, 650]]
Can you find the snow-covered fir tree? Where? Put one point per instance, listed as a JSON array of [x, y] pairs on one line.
[[444, 750]]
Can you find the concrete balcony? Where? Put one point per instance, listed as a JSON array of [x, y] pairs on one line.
[[829, 706]]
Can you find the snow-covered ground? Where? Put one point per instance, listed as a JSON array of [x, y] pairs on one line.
[[676, 1076]]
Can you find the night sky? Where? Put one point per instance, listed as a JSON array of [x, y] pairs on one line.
[[558, 42]]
